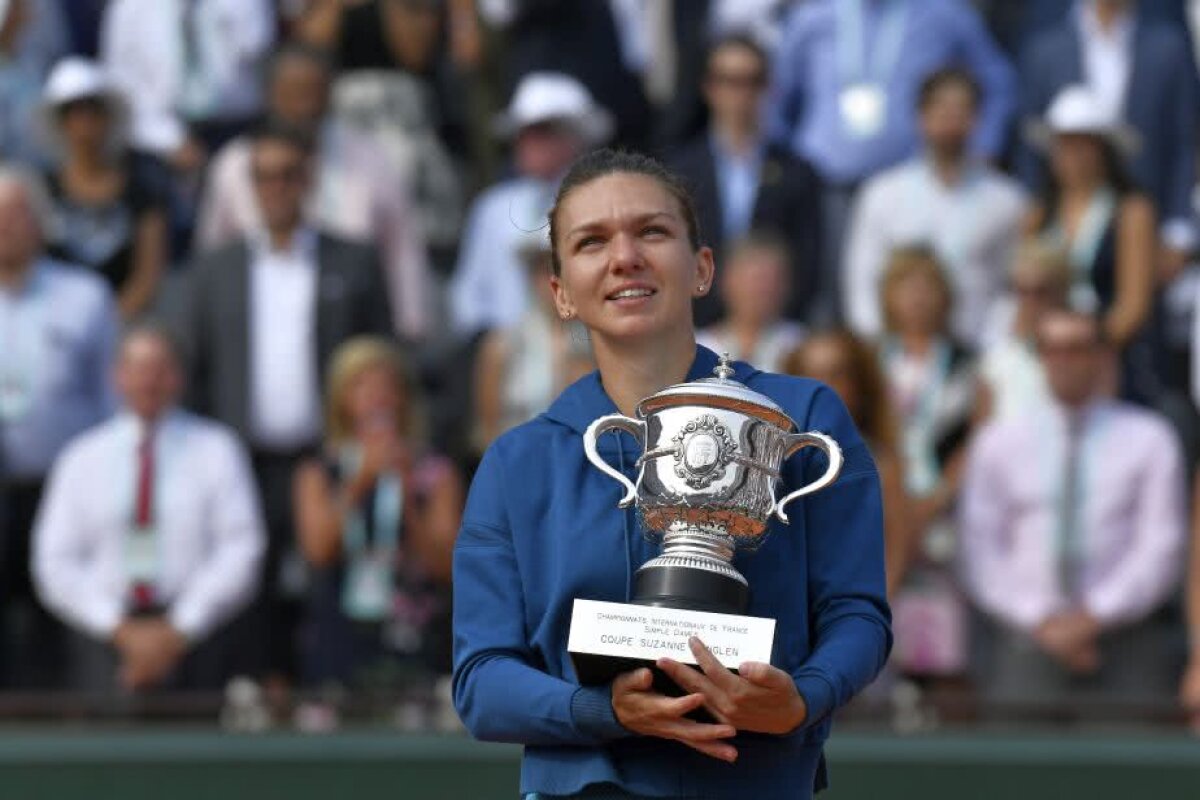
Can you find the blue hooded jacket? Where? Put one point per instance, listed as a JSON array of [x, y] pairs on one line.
[[542, 528]]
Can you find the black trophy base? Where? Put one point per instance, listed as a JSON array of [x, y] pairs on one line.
[[680, 592], [673, 586]]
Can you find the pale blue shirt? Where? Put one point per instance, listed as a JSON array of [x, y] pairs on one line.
[[737, 186], [490, 284], [58, 334]]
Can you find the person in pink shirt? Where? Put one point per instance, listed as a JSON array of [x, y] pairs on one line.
[[1073, 532]]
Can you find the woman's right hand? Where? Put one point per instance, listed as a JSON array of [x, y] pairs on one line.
[[646, 712]]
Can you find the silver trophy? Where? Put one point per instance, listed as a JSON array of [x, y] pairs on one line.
[[712, 452]]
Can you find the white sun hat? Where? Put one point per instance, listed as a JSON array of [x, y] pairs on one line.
[[1076, 110], [74, 78], [554, 97]]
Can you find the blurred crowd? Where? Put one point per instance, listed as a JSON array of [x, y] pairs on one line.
[[273, 273]]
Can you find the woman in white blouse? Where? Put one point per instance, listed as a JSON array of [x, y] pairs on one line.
[[754, 288]]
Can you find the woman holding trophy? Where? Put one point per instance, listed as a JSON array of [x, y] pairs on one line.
[[542, 528]]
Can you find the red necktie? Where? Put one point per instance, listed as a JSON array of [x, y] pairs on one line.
[[142, 595], [143, 511]]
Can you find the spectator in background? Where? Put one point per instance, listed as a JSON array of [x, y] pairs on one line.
[[395, 84], [691, 28], [1039, 282], [846, 81], [149, 563], [551, 121], [58, 326], [1123, 56], [84, 19], [400, 37], [754, 284], [1073, 525], [110, 203], [519, 370], [32, 38], [376, 517], [1090, 207], [357, 195], [849, 365], [969, 213], [261, 318], [189, 69], [600, 43], [1015, 23], [932, 382], [740, 181], [1189, 688]]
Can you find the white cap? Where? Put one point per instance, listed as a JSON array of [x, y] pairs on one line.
[[554, 97], [1076, 110], [74, 78]]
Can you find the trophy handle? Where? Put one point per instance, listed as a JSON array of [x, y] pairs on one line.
[[614, 422], [798, 441]]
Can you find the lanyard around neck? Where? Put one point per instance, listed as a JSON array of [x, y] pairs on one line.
[[858, 62], [387, 511]]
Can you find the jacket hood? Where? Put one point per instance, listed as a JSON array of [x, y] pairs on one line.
[[585, 400]]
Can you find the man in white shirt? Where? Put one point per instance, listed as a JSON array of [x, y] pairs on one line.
[[1073, 531], [148, 563], [188, 67], [58, 327], [261, 318], [357, 194], [969, 213], [552, 120]]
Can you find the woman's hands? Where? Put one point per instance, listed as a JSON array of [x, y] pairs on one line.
[[644, 711], [762, 698]]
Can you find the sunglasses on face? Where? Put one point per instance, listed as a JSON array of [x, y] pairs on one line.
[[94, 105], [738, 80], [1068, 347], [1041, 290], [284, 175]]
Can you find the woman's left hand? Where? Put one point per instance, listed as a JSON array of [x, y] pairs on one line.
[[761, 698]]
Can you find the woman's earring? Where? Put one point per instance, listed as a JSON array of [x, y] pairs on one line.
[[566, 315]]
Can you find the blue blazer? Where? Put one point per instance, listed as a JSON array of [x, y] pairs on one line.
[[1160, 103]]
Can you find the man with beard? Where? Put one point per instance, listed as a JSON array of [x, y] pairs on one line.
[[969, 213]]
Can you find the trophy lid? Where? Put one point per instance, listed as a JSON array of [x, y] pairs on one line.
[[719, 391]]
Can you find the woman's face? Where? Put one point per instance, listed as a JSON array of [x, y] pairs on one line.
[[628, 269], [85, 123], [827, 361], [373, 398], [1076, 160], [754, 286], [915, 302]]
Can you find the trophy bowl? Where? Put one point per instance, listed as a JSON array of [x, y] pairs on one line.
[[712, 451]]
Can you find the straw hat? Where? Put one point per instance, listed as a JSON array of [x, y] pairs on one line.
[[74, 79], [1076, 110], [554, 97]]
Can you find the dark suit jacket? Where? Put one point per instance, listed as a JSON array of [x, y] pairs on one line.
[[788, 204], [212, 313], [1160, 103]]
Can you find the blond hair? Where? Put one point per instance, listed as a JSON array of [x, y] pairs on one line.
[[353, 358], [905, 262]]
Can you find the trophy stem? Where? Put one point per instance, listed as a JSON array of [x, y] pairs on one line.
[[683, 539], [693, 572]]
